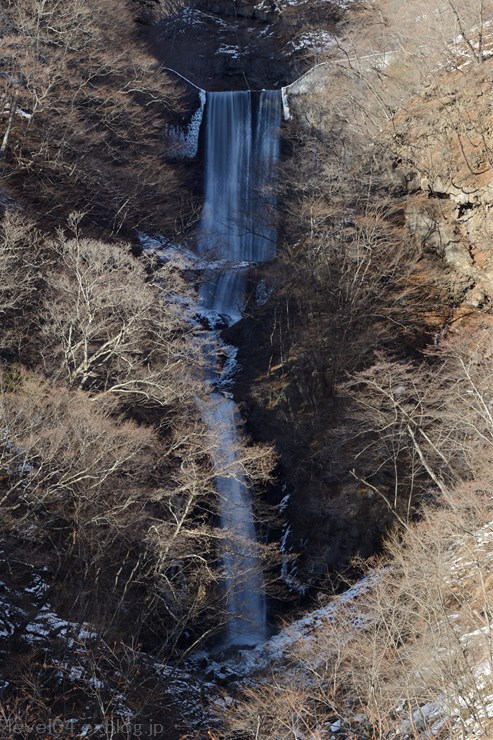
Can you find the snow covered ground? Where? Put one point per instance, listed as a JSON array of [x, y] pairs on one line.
[[275, 652], [476, 44]]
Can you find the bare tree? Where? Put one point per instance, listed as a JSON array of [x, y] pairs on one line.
[[85, 100], [21, 260], [108, 328], [126, 514]]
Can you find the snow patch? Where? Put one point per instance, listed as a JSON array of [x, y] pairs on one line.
[[280, 4], [18, 112], [284, 539], [76, 672], [167, 251], [185, 142], [48, 625], [288, 568], [284, 503], [277, 648], [228, 50], [229, 370], [314, 40], [262, 293]]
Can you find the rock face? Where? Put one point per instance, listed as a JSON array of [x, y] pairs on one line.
[[221, 46], [331, 520], [149, 11], [440, 156], [224, 45], [444, 141]]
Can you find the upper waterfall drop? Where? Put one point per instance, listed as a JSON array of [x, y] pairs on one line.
[[238, 222]]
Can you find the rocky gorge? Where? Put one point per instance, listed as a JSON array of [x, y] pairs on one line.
[[357, 110], [361, 368]]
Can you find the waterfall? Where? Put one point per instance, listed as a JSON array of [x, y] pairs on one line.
[[236, 230], [242, 148]]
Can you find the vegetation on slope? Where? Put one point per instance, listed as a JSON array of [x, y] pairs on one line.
[[84, 107], [106, 482], [388, 225], [107, 485], [380, 221]]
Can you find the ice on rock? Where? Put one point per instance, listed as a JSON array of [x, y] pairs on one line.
[[185, 142]]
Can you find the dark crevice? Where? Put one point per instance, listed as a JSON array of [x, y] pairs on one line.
[[464, 208]]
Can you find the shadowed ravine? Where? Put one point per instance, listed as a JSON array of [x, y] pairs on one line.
[[237, 229]]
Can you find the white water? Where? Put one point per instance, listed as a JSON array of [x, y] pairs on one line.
[[237, 227]]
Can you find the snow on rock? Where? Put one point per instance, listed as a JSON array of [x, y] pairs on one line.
[[18, 112], [182, 256], [189, 690], [262, 293], [10, 616], [186, 18], [481, 546], [277, 648], [25, 611], [16, 604], [264, 33], [184, 143], [232, 51], [212, 319], [177, 257], [285, 104], [167, 251], [47, 625], [429, 715], [288, 565], [479, 44], [284, 503], [266, 5], [314, 41], [150, 243], [230, 368], [69, 647], [284, 539]]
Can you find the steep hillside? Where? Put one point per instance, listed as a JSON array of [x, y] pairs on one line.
[[110, 544], [405, 652], [386, 233], [376, 384], [364, 373], [84, 106]]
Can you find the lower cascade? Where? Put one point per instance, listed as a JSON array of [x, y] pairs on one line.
[[237, 230]]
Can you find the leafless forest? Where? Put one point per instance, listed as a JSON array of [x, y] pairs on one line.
[[366, 381]]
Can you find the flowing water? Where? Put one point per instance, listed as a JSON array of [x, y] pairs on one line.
[[237, 229]]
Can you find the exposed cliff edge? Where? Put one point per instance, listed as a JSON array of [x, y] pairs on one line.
[[250, 45], [444, 139]]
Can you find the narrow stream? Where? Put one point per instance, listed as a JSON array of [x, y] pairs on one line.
[[237, 229]]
